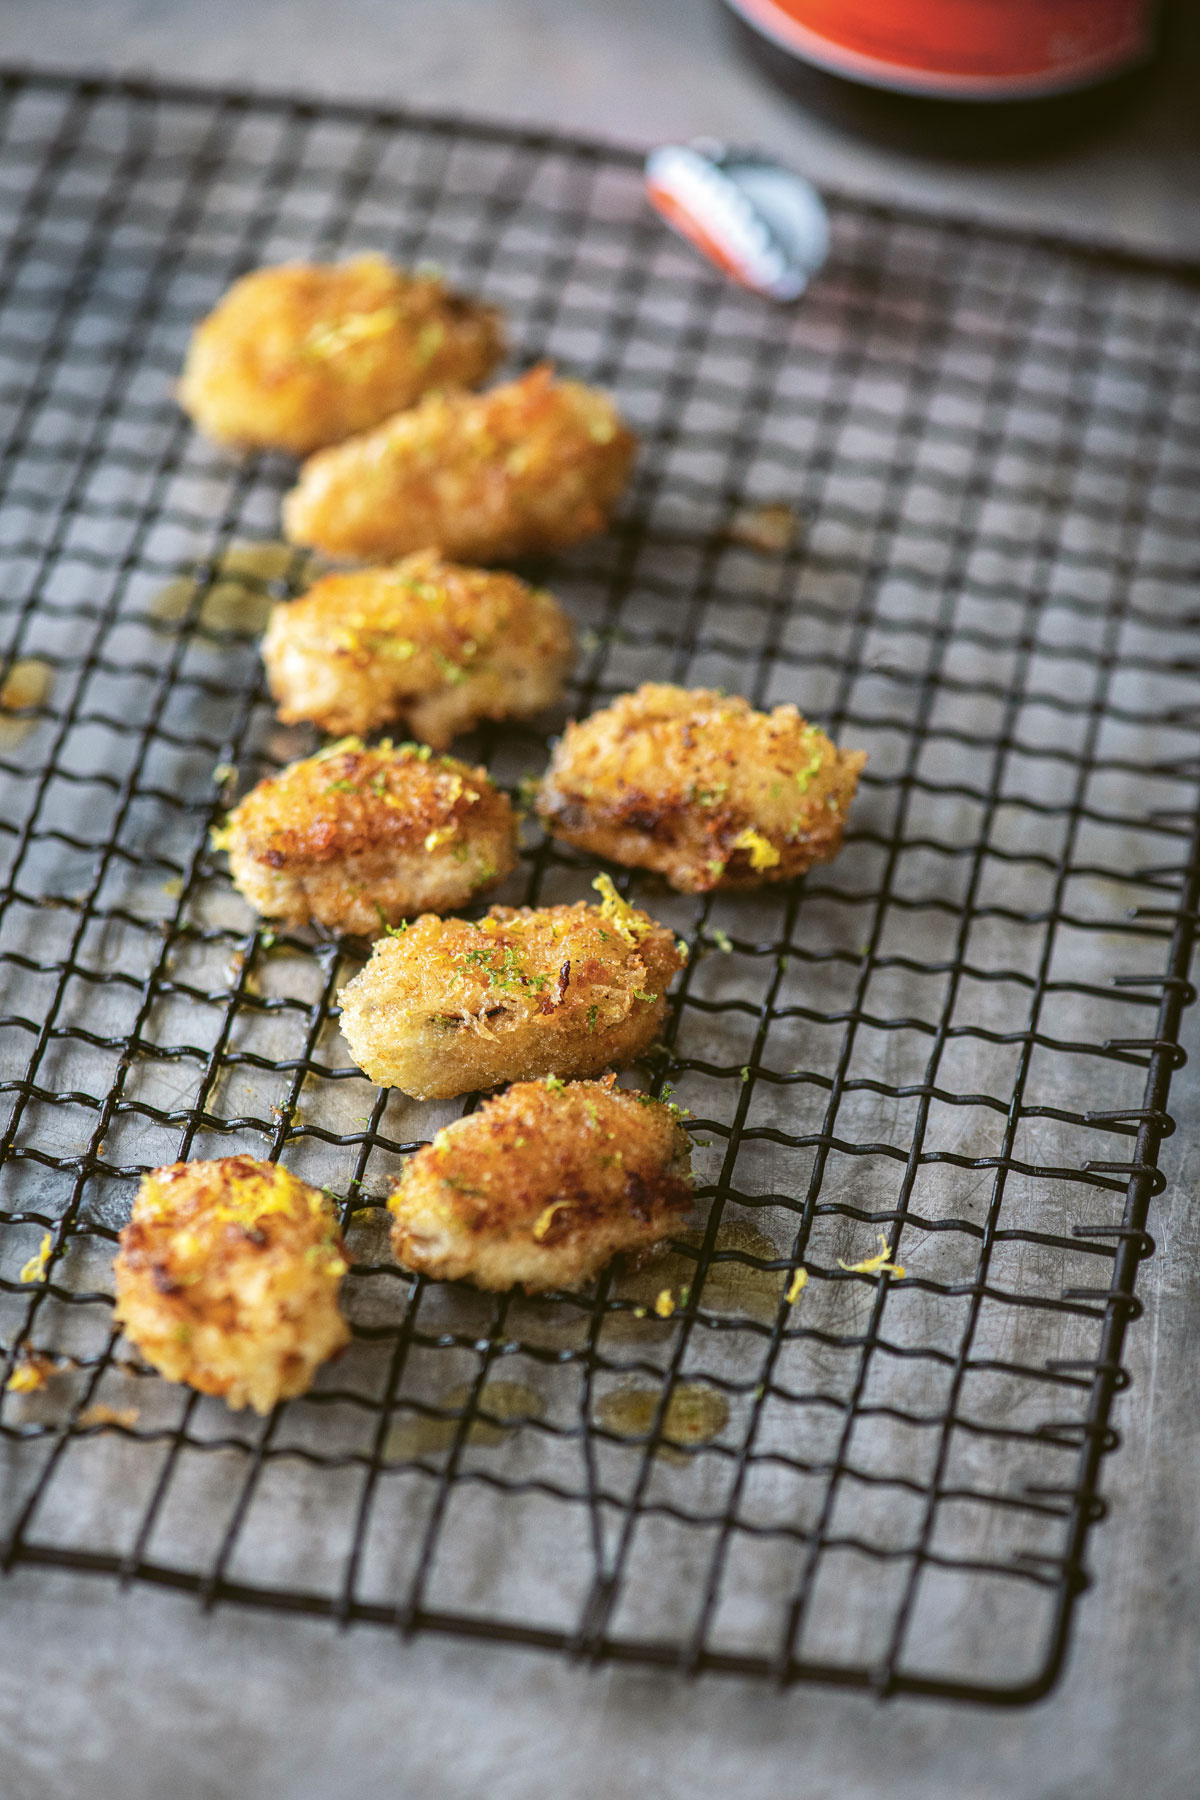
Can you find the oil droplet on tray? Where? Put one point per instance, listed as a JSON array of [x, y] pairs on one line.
[[771, 527], [695, 1414], [237, 599], [507, 1400], [729, 1287], [26, 684]]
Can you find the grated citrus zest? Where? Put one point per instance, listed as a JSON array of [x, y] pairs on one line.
[[35, 1268], [546, 1218], [625, 920], [331, 338], [880, 1264], [763, 854]]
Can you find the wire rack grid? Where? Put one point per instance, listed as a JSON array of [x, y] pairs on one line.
[[985, 446]]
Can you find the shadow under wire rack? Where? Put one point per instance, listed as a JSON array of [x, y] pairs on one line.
[[982, 452]]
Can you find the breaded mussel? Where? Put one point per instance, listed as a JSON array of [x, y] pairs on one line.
[[542, 1187], [358, 838], [306, 354], [227, 1278], [425, 641], [529, 466], [700, 787], [451, 1005]]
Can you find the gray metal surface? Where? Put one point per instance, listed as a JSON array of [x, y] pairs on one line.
[[1121, 1709]]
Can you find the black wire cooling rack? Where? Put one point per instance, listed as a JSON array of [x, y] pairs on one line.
[[983, 454]]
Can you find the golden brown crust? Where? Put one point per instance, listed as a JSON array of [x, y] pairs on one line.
[[530, 466], [227, 1278], [426, 641], [306, 354], [452, 1005], [542, 1187], [700, 787], [358, 839]]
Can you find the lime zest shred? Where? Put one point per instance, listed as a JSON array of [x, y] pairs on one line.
[[429, 340], [452, 672], [528, 789], [221, 836], [880, 1264], [721, 939], [763, 854], [812, 767], [390, 930], [462, 1187]]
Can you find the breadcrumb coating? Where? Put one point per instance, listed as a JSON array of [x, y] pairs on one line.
[[357, 839], [542, 1187], [227, 1278], [700, 787], [306, 354], [429, 642], [452, 1005], [530, 466]]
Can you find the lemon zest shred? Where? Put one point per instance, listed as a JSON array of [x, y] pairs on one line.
[[796, 1286], [255, 1197], [336, 1265], [546, 1218], [625, 920], [35, 1268], [664, 1305], [30, 1374], [763, 854], [337, 748], [880, 1264], [356, 328]]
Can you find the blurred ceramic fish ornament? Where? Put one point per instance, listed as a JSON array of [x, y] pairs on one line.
[[757, 221]]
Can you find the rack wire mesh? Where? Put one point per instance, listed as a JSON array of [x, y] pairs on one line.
[[960, 1036]]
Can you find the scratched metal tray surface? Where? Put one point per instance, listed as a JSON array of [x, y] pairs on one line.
[[983, 454]]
